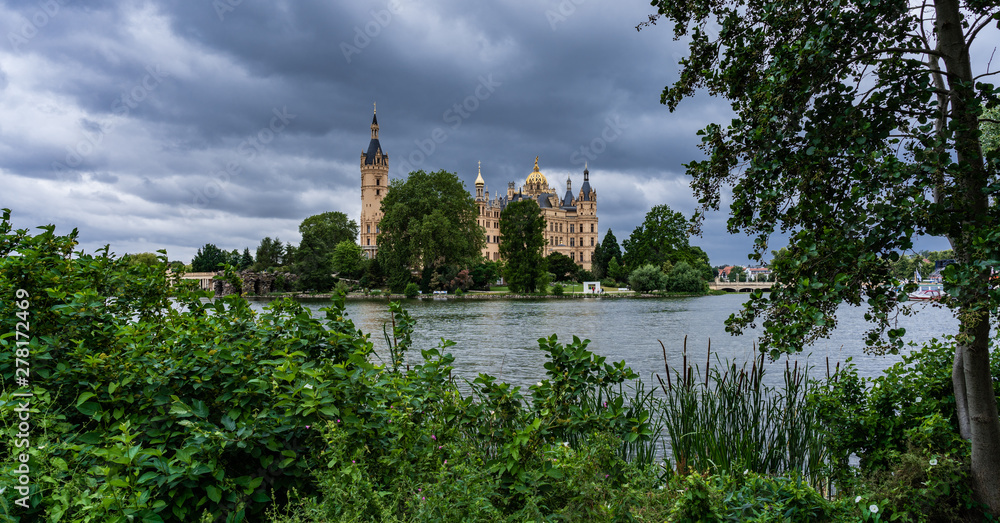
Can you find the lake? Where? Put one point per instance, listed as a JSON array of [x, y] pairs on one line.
[[499, 337]]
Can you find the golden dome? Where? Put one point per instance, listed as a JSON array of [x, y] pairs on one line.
[[537, 177]]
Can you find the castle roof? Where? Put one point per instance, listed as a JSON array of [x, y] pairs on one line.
[[374, 149], [586, 184], [537, 177]]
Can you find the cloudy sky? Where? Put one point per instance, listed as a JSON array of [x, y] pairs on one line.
[[171, 124]]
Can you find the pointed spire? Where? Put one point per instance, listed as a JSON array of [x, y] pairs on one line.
[[536, 165], [479, 177], [586, 172], [374, 123]]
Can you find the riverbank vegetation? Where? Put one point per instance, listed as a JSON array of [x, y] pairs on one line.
[[150, 403]]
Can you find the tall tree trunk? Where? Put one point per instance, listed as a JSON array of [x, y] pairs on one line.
[[973, 308]]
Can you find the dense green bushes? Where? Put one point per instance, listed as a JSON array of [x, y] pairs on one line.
[[151, 403]]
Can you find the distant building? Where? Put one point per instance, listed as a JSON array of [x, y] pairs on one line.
[[374, 185], [571, 222]]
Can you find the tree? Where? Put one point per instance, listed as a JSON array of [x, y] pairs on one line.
[[522, 238], [148, 259], [685, 278], [662, 236], [484, 274], [857, 128], [314, 257], [562, 266], [611, 249], [616, 271], [647, 278], [270, 253], [246, 260], [429, 220], [208, 259], [598, 262], [348, 260]]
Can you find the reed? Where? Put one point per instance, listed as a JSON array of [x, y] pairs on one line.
[[724, 418]]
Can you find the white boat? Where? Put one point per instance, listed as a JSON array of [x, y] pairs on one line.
[[927, 293]]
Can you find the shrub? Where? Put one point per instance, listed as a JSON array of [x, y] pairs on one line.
[[557, 289], [684, 278], [647, 278], [411, 290], [459, 292]]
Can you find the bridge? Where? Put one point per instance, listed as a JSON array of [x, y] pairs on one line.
[[742, 286]]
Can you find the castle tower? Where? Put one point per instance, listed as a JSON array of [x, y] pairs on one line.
[[374, 185]]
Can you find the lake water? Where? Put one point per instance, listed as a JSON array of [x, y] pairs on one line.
[[499, 337]]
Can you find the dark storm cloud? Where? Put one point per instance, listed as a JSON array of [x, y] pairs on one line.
[[229, 124]]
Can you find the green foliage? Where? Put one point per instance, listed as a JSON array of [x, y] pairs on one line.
[[411, 290], [208, 259], [145, 258], [647, 278], [348, 261], [663, 236], [724, 419], [314, 257], [616, 271], [429, 220], [684, 278], [697, 502], [485, 274], [598, 263], [611, 249], [562, 266], [522, 239], [558, 290], [270, 253]]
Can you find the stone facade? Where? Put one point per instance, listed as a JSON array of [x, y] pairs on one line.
[[374, 184], [571, 221]]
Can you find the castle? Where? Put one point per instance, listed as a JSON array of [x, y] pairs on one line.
[[570, 222]]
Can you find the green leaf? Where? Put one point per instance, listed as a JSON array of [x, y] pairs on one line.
[[214, 493]]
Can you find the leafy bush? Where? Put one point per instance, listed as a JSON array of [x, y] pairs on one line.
[[685, 278], [411, 290], [647, 278], [558, 290]]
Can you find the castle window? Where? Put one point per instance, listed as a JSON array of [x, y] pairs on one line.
[[572, 256], [369, 229], [591, 241], [572, 242], [369, 241], [591, 229], [376, 192], [378, 181], [571, 227]]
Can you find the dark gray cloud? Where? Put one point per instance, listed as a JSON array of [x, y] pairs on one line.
[[172, 124]]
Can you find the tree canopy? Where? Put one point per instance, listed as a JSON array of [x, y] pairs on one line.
[[522, 239], [857, 129], [562, 266], [270, 253], [429, 220], [314, 257], [208, 258]]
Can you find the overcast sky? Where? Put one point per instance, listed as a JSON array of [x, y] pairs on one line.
[[172, 124]]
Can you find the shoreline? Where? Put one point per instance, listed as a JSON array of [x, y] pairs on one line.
[[480, 296]]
